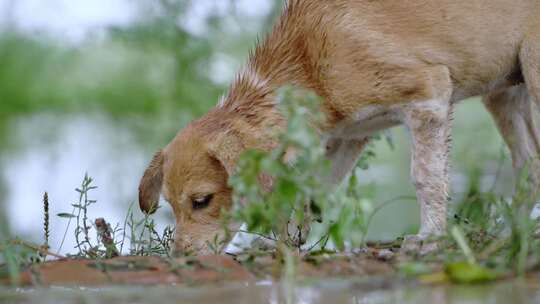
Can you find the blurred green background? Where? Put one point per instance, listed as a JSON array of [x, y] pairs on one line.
[[98, 86]]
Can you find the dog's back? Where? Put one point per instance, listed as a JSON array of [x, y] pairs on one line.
[[353, 46]]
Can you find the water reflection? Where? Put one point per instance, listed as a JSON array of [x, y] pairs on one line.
[[363, 291]]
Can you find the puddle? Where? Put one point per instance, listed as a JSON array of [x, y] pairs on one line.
[[218, 279], [360, 291]]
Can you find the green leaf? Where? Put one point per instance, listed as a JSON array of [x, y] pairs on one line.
[[337, 236], [467, 273], [66, 215], [287, 190], [461, 240], [414, 269]]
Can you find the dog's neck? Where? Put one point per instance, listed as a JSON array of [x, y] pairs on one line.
[[281, 59], [252, 110]]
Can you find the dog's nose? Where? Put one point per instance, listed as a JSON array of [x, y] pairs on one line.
[[182, 248], [182, 243]]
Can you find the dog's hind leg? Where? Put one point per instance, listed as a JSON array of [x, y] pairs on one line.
[[530, 65], [529, 57], [512, 110]]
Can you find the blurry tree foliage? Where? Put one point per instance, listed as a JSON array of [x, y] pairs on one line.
[[146, 69], [153, 75]]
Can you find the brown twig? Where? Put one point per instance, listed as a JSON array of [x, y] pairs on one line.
[[105, 234], [42, 250]]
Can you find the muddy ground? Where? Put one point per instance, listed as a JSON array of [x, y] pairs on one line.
[[370, 276], [212, 269]]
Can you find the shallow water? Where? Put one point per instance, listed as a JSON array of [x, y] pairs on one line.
[[372, 291]]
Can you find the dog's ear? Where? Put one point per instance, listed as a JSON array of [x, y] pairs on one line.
[[227, 148], [150, 186]]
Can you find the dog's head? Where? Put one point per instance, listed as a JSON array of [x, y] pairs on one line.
[[192, 174]]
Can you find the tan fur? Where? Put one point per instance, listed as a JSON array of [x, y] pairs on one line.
[[376, 64]]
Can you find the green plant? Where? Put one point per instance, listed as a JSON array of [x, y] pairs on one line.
[[523, 240], [80, 214], [494, 232], [11, 266], [19, 255], [142, 234], [300, 191], [144, 238], [46, 230]]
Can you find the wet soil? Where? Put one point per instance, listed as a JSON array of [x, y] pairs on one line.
[[212, 269], [370, 276]]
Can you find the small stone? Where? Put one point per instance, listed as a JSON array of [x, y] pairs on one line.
[[385, 254]]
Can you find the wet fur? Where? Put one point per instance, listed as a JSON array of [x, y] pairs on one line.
[[376, 64]]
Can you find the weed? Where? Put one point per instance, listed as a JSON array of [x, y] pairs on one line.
[[494, 232], [142, 234], [46, 231], [300, 190], [18, 254], [145, 239], [80, 214], [11, 266]]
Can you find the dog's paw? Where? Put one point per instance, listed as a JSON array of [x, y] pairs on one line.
[[419, 245]]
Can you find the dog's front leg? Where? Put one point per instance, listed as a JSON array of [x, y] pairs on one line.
[[429, 124]]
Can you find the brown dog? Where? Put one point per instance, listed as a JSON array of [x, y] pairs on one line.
[[376, 64]]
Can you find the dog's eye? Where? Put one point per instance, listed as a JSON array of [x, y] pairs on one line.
[[202, 202]]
